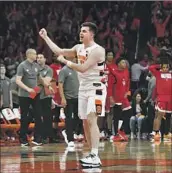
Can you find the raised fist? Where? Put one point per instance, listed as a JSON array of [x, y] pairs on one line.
[[43, 33]]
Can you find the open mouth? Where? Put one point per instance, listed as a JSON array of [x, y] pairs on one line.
[[81, 37]]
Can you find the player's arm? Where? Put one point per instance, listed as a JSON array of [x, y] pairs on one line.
[[95, 57], [61, 80], [19, 76], [143, 68], [114, 72], [71, 53], [154, 69]]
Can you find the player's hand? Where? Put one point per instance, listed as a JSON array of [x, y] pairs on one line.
[[125, 95], [30, 90], [51, 89], [46, 82], [63, 102], [61, 59], [53, 106], [138, 115], [43, 33]]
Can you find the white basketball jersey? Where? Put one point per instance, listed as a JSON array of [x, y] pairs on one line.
[[91, 79]]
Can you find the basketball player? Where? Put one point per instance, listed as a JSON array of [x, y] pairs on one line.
[[163, 93], [92, 92], [118, 93]]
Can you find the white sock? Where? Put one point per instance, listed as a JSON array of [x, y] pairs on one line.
[[94, 151]]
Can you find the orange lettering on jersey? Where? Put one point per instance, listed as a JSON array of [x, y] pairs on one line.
[[81, 59]]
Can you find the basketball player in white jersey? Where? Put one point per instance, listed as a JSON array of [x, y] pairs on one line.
[[92, 92]]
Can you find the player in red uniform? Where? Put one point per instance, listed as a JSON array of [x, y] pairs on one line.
[[126, 109], [163, 93], [118, 92], [56, 67], [108, 108]]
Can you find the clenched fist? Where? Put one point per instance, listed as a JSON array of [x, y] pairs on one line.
[[43, 33]]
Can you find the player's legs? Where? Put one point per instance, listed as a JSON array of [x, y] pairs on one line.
[[86, 127], [94, 132], [157, 124], [82, 111], [161, 108], [95, 107], [109, 121], [157, 120]]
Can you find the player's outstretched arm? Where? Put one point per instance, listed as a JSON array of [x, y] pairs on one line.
[[71, 53]]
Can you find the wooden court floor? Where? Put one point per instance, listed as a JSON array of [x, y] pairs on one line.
[[120, 157]]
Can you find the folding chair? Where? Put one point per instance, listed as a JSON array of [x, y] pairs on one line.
[[13, 121], [11, 125]]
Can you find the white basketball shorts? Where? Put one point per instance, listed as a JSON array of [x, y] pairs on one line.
[[91, 101]]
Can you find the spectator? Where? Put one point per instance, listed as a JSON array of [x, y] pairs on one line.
[[149, 100], [136, 70], [139, 113], [160, 25]]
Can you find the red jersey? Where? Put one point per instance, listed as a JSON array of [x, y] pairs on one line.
[[56, 69], [119, 81], [163, 84], [110, 76]]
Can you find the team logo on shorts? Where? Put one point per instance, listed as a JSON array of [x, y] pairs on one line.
[[98, 104]]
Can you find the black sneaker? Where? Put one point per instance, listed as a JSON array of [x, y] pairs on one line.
[[24, 142]]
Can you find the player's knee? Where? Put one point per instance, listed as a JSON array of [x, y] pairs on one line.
[[91, 118]]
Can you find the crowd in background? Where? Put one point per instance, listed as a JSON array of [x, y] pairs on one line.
[[118, 24], [138, 31]]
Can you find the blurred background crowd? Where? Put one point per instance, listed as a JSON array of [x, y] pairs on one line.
[[121, 25]]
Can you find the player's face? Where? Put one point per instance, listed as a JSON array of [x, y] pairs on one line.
[[123, 64], [40, 60], [165, 68], [109, 56], [85, 34]]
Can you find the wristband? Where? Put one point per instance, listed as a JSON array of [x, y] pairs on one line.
[[69, 64]]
